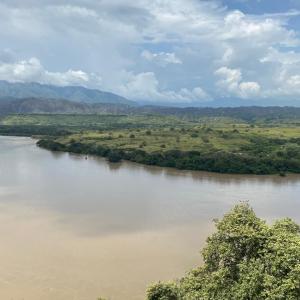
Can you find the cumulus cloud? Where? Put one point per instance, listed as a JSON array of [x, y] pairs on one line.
[[284, 58], [145, 86], [150, 49], [161, 58], [32, 71], [231, 82], [261, 30], [285, 73]]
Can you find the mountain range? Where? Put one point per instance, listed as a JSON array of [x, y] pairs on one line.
[[21, 90], [72, 93], [61, 106], [9, 105]]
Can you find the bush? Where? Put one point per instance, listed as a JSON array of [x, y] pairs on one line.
[[162, 291], [114, 156], [205, 139]]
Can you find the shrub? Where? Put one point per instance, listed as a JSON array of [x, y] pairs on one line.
[[162, 291], [114, 156], [205, 139]]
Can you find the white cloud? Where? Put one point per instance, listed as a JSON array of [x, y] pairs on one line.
[[145, 86], [249, 89], [285, 73], [73, 11], [284, 58], [289, 86], [231, 83], [294, 82], [161, 58], [150, 49], [32, 71], [261, 30]]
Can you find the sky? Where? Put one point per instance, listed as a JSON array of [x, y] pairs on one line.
[[171, 51]]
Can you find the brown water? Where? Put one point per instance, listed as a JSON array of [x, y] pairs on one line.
[[74, 229]]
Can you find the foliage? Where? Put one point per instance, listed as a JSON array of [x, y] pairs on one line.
[[245, 259], [163, 291], [217, 145], [253, 161], [33, 130]]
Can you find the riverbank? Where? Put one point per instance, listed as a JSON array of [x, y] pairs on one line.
[[221, 161]]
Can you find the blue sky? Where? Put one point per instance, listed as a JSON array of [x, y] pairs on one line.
[[176, 51], [262, 6]]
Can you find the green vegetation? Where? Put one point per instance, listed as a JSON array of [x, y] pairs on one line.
[[76, 122], [210, 143], [245, 259]]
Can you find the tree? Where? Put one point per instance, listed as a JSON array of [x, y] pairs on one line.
[[162, 291], [114, 156], [246, 260]]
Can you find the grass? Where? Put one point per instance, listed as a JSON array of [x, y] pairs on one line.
[[193, 138], [277, 143], [79, 122]]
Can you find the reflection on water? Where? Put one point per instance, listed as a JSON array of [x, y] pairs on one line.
[[76, 228]]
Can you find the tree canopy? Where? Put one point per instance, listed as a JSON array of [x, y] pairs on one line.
[[245, 259]]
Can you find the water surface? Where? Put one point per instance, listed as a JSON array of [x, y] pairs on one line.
[[77, 228]]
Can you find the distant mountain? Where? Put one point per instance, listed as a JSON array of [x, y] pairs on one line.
[[9, 90], [58, 106], [227, 102], [72, 93], [246, 113], [61, 106]]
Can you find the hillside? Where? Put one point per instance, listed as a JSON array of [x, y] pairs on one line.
[[250, 114], [57, 106], [73, 93], [247, 113]]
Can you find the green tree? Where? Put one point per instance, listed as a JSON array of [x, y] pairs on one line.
[[245, 260], [163, 291]]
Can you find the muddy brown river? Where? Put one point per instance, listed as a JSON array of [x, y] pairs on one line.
[[73, 228]]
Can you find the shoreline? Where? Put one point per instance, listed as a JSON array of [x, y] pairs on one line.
[[120, 156], [164, 160]]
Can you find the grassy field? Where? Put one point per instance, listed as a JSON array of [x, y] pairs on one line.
[[187, 138], [219, 144], [79, 122]]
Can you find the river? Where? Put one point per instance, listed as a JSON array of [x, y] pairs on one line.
[[76, 228]]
